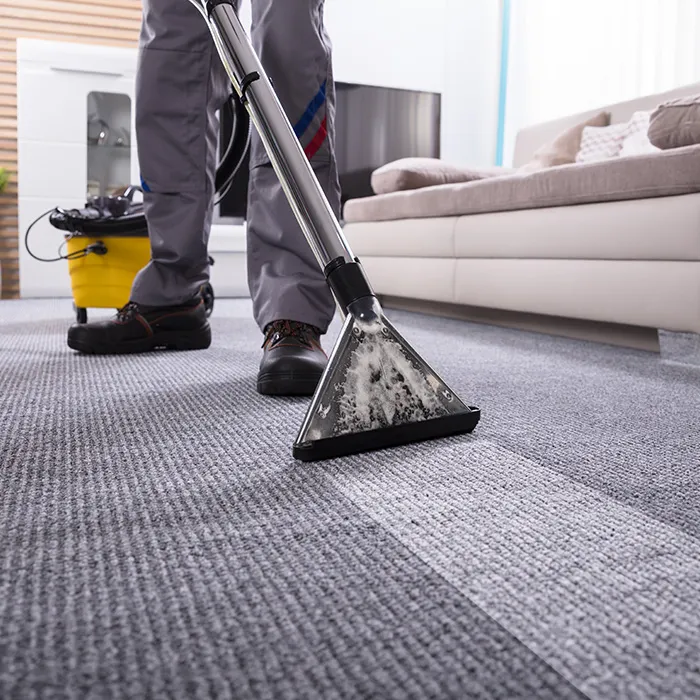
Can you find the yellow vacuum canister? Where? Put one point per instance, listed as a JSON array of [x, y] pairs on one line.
[[106, 244], [102, 278]]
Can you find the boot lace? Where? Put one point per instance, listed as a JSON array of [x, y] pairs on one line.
[[128, 311], [290, 329]]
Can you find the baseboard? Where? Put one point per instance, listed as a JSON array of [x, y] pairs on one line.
[[227, 239], [609, 333], [229, 275]]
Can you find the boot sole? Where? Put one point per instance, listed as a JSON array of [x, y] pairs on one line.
[[288, 384], [164, 341]]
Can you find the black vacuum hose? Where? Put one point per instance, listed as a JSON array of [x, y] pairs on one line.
[[239, 143]]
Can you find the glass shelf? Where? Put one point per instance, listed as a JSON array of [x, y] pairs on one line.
[[108, 162]]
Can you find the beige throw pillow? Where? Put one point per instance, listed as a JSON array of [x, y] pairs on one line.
[[563, 149], [676, 123], [414, 173]]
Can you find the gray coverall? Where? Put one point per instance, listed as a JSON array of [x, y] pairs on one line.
[[180, 86]]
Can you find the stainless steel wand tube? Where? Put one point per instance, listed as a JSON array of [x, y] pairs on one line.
[[306, 197]]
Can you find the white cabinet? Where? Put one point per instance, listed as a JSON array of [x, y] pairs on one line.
[[75, 135]]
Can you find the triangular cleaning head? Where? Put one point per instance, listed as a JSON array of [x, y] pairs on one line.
[[377, 392]]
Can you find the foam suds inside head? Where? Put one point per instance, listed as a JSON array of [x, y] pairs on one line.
[[382, 387]]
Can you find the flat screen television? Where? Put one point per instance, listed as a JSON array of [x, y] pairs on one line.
[[374, 126]]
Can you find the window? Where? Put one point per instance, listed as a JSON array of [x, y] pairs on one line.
[[568, 56]]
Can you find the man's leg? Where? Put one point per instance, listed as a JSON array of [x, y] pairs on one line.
[[284, 278], [180, 85], [291, 300]]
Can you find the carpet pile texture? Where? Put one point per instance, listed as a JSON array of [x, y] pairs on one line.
[[157, 540]]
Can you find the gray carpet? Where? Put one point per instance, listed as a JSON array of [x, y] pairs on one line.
[[157, 540]]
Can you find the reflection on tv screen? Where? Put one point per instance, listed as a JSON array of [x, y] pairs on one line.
[[373, 126]]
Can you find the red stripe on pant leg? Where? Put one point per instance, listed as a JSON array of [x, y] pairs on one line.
[[317, 141]]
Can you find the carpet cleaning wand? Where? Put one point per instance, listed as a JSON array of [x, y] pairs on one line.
[[376, 391]]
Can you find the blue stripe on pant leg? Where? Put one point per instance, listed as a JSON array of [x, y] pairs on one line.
[[303, 124]]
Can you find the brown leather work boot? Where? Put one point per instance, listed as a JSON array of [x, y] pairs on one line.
[[138, 328], [293, 359]]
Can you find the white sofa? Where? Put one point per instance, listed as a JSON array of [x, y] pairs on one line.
[[624, 251]]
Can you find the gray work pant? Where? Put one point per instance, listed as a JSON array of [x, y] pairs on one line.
[[180, 86]]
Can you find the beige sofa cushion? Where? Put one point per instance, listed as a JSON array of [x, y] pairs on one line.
[[676, 123], [414, 173], [564, 148], [665, 228], [657, 175]]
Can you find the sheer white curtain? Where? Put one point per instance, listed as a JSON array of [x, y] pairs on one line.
[[567, 56]]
